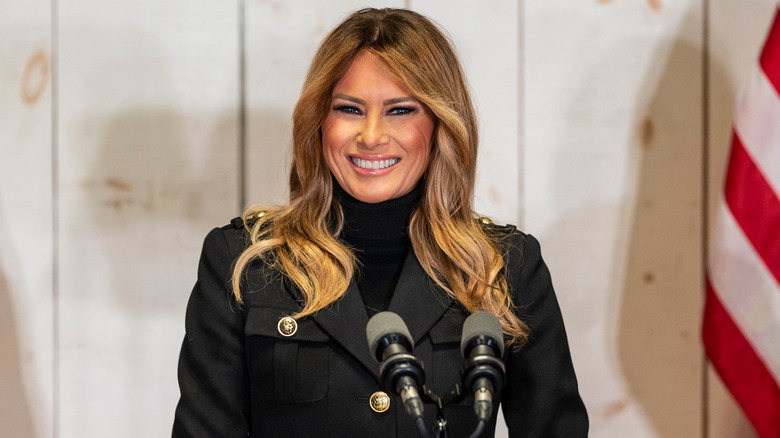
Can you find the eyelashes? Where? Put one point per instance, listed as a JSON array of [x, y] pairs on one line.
[[393, 111], [346, 109], [402, 110]]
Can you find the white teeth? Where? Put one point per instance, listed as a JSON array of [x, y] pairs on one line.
[[378, 164]]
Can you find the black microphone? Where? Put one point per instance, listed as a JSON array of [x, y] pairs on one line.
[[400, 371], [482, 345]]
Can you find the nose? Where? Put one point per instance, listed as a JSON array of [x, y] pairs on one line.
[[372, 132]]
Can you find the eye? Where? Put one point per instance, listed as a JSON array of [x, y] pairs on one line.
[[347, 109], [402, 110]]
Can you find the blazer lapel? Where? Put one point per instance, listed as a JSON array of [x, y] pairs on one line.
[[345, 321], [417, 299]]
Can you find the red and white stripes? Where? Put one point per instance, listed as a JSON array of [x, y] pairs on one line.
[[741, 329]]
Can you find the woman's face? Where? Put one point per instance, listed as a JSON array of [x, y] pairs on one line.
[[376, 137]]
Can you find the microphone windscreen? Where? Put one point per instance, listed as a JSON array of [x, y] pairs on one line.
[[481, 323], [382, 324]]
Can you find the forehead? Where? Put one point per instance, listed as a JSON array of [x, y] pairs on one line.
[[369, 76]]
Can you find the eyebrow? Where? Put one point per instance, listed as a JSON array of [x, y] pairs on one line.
[[386, 102]]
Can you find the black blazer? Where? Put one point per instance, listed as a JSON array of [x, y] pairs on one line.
[[240, 377]]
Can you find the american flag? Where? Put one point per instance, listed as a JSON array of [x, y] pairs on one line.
[[741, 329]]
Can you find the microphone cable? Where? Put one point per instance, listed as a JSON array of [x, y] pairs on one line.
[[478, 430]]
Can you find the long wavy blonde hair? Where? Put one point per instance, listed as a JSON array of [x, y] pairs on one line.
[[300, 240]]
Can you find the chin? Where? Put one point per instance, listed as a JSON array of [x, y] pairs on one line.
[[373, 198]]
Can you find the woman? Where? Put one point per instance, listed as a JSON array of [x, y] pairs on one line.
[[380, 218]]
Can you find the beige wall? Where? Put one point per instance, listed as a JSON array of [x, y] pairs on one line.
[[605, 126]]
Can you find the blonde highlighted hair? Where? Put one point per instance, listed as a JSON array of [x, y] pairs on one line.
[[300, 240]]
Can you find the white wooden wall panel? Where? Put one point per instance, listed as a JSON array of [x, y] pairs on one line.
[[738, 30], [26, 293], [612, 186], [282, 37], [148, 164]]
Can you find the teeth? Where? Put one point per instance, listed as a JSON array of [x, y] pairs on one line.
[[378, 164]]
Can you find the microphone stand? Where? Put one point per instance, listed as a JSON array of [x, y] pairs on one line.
[[455, 395]]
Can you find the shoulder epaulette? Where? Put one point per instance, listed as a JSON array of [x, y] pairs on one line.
[[238, 223], [492, 228]]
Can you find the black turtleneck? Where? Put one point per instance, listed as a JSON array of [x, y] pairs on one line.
[[379, 234]]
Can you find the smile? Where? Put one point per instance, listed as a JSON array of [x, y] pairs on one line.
[[378, 164]]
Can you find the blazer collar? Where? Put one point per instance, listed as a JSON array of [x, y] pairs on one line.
[[416, 299]]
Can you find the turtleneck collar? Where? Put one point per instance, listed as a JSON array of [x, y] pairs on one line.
[[387, 220], [379, 236]]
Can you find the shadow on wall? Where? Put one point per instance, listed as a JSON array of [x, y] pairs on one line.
[[15, 411], [151, 193], [144, 197], [662, 299], [269, 155]]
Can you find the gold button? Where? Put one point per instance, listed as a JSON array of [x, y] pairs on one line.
[[485, 220], [379, 401], [287, 326]]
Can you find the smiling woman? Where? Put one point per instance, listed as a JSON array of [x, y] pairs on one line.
[[376, 137], [379, 218]]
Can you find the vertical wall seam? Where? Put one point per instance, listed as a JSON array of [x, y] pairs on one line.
[[242, 106], [705, 193], [521, 113], [55, 205]]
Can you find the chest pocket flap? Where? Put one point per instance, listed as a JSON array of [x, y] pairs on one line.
[[285, 369], [264, 321]]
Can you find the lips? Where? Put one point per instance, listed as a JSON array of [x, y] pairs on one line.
[[374, 164]]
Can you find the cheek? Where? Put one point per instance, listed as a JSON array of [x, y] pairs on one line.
[[330, 140], [337, 132], [421, 141]]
